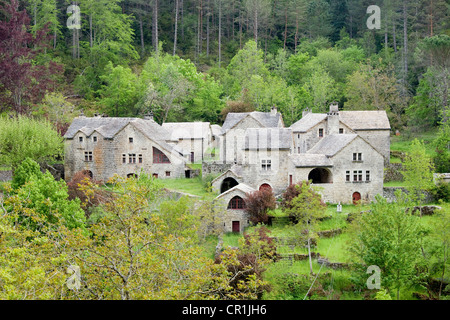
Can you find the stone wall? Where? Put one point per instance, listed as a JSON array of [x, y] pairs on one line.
[[215, 167], [389, 194], [392, 172], [5, 176]]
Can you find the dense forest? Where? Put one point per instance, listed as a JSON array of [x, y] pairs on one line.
[[199, 59]]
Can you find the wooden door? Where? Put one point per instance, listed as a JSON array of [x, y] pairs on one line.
[[236, 226], [356, 197]]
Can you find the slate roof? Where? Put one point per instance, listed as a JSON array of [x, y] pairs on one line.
[[332, 144], [268, 138], [266, 119], [356, 120], [109, 127], [308, 121], [187, 130], [365, 120], [310, 160], [241, 187]]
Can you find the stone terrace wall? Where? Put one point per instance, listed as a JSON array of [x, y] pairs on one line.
[[5, 176], [389, 194], [215, 167]]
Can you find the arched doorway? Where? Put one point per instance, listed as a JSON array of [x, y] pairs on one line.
[[356, 198], [265, 186], [88, 173], [227, 184], [320, 175], [132, 175]]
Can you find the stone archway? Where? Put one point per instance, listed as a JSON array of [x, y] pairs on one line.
[[356, 198], [265, 186], [132, 175], [227, 184], [320, 175]]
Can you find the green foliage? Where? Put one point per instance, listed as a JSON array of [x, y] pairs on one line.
[[24, 172], [389, 238], [442, 144], [417, 171], [22, 137]]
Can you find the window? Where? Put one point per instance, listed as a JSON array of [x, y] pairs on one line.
[[266, 165], [130, 140], [124, 158], [88, 156], [367, 175], [320, 133], [355, 175], [357, 156], [341, 130], [95, 139], [192, 157], [159, 157], [132, 158], [237, 203], [360, 175], [347, 176], [167, 173], [80, 139], [140, 158]]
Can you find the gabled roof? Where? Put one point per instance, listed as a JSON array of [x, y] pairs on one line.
[[332, 144], [110, 127], [268, 138], [266, 119], [107, 127], [365, 120], [187, 130], [308, 121], [236, 170], [216, 130], [240, 187], [307, 160]]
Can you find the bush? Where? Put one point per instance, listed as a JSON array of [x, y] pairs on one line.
[[258, 203], [441, 191], [24, 172]]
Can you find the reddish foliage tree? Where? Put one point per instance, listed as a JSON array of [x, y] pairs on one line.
[[80, 179], [291, 192], [22, 80], [258, 203]]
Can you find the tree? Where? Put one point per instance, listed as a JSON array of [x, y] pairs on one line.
[[417, 171], [120, 93], [306, 208], [23, 80], [387, 237], [258, 203], [23, 137], [258, 12], [442, 144]]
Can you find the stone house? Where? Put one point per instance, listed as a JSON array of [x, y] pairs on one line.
[[193, 137], [124, 146], [233, 131], [336, 152], [236, 218]]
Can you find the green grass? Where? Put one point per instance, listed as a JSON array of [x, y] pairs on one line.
[[403, 143], [192, 186], [231, 239], [394, 184]]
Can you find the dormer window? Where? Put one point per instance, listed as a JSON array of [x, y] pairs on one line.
[[130, 140], [80, 139], [95, 139], [320, 133], [341, 130], [357, 156]]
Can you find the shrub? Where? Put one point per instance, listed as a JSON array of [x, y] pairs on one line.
[[258, 203], [24, 172]]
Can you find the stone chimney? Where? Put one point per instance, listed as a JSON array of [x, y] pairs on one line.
[[305, 112], [149, 116], [273, 111], [333, 119]]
